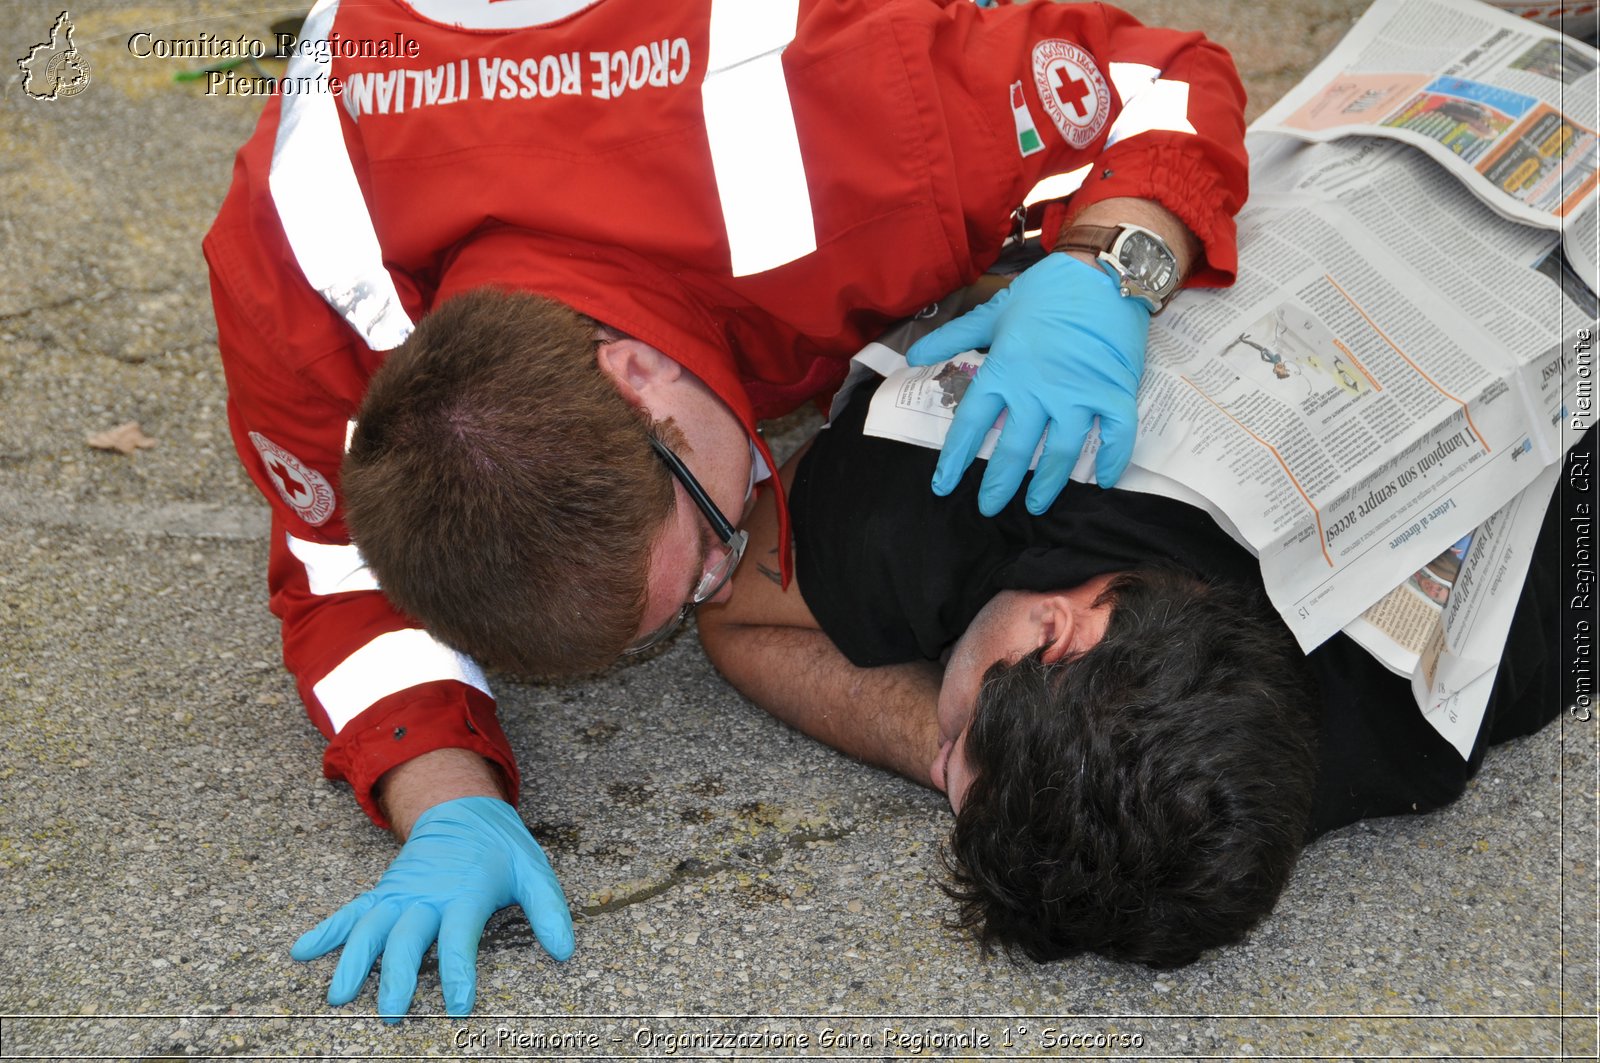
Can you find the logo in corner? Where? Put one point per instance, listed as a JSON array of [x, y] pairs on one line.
[[305, 489], [1074, 94], [55, 69]]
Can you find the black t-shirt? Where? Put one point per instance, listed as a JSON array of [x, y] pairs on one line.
[[894, 573]]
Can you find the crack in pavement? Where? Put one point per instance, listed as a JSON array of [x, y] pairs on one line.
[[185, 520], [74, 300], [694, 868], [518, 934]]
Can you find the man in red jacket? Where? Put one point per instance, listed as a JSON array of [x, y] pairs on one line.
[[706, 208]]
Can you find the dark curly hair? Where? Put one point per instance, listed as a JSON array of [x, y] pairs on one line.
[[1147, 799]]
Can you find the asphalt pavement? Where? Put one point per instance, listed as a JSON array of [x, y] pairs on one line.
[[166, 833]]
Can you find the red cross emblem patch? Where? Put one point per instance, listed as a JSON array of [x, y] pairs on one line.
[[1074, 94], [304, 488]]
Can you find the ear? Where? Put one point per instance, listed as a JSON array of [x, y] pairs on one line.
[[638, 369], [1055, 621]]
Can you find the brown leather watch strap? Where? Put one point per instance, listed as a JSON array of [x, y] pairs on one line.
[[1094, 239]]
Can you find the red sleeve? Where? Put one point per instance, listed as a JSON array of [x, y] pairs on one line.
[[1085, 94], [373, 682], [1203, 176]]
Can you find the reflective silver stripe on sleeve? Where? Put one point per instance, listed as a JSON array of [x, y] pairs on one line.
[[388, 664], [1057, 185], [319, 202], [1149, 102], [755, 151], [497, 14], [332, 569]]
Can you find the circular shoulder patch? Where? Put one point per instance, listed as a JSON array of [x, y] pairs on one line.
[[1074, 94], [305, 489]]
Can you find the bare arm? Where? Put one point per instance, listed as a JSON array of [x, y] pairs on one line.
[[408, 790], [765, 641]]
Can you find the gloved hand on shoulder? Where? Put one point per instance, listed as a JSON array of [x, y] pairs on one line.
[[1065, 346]]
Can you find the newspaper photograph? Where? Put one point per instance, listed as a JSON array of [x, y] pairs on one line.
[[1510, 106]]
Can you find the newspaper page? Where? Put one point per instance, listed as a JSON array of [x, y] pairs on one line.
[[1392, 366], [1509, 106], [1446, 626]]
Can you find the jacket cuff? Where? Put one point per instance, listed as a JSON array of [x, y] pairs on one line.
[[1183, 182], [409, 723]]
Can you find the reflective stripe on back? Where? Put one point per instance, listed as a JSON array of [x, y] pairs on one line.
[[320, 205], [755, 151], [497, 14]]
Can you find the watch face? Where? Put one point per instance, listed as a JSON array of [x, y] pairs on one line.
[[1146, 261]]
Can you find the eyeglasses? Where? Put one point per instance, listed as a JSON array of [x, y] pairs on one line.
[[721, 562]]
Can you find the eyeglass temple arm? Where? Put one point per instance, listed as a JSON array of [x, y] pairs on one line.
[[713, 515]]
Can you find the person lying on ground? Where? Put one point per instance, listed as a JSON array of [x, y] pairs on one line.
[[1134, 747]]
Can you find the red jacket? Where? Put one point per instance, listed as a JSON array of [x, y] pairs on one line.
[[752, 191]]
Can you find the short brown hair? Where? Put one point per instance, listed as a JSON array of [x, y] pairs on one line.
[[501, 488]]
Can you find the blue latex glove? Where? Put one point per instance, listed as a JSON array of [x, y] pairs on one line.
[[465, 860], [1064, 345]]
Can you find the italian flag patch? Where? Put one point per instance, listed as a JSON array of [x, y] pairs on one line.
[[1028, 139]]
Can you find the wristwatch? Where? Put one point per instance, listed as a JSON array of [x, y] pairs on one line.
[[1145, 266]]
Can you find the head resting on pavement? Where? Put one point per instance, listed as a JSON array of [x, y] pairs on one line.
[[1145, 800]]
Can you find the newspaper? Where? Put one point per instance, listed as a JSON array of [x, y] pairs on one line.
[[1394, 367], [1509, 106], [1394, 364], [1446, 625]]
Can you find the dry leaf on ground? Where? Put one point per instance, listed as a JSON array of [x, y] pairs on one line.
[[124, 439]]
